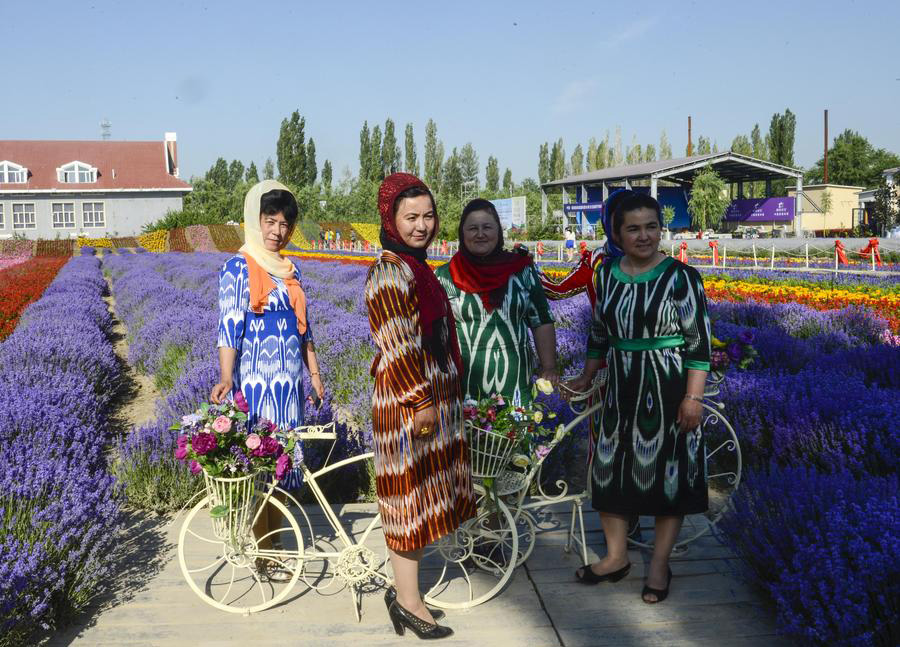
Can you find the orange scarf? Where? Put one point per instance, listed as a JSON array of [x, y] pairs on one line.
[[261, 284]]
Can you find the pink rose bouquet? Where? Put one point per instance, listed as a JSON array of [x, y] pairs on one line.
[[215, 439]]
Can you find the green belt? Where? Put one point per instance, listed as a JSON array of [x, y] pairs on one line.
[[649, 343]]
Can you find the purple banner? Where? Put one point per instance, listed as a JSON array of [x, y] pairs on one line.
[[761, 210], [582, 206]]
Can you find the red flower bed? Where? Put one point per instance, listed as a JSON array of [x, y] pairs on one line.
[[178, 242], [22, 284], [63, 247]]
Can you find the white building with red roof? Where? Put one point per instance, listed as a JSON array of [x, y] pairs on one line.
[[61, 189]]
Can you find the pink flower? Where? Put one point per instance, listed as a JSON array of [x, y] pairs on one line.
[[541, 450], [182, 441], [253, 441], [222, 424], [500, 400], [268, 446], [195, 467], [181, 453], [282, 465], [204, 443], [240, 402]]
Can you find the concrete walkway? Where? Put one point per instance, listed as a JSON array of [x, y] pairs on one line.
[[541, 605]]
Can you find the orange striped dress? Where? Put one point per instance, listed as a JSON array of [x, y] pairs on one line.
[[424, 484]]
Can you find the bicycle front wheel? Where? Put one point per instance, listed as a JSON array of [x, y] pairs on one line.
[[240, 574]]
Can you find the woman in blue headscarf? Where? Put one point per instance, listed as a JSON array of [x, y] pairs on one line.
[[650, 324]]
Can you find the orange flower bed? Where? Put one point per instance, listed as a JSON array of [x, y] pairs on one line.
[[22, 284], [226, 238], [63, 247]]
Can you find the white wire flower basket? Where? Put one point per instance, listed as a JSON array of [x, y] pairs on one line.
[[489, 451], [233, 503]]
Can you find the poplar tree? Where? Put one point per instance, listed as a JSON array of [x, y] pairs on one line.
[[311, 167], [252, 176], [376, 170], [544, 171], [268, 169], [468, 165], [412, 162], [492, 175], [433, 157], [591, 160], [665, 149], [390, 151], [558, 160], [365, 154], [453, 177], [326, 175], [507, 181], [577, 160]]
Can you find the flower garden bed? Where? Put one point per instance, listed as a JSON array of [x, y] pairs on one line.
[[21, 284], [227, 238], [62, 247], [178, 241]]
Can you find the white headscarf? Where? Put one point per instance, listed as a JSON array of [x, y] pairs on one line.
[[272, 262]]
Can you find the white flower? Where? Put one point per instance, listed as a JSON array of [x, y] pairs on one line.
[[538, 416], [520, 460], [544, 386]]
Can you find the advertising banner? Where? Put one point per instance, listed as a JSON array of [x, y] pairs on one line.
[[511, 211], [761, 210]]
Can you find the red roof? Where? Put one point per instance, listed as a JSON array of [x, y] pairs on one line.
[[137, 165]]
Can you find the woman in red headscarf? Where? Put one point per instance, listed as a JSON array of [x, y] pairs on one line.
[[422, 473]]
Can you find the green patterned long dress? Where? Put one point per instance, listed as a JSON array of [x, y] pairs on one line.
[[495, 347], [652, 328]]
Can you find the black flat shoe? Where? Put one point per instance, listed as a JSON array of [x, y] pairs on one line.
[[587, 576], [661, 594], [404, 620], [391, 594]]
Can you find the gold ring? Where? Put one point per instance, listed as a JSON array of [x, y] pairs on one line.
[[425, 431]]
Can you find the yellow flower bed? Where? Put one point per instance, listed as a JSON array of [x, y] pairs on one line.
[[298, 239], [367, 230], [83, 241], [155, 241]]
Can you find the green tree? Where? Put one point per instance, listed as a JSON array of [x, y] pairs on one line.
[[703, 146], [853, 161], [468, 165], [452, 181], [601, 157], [886, 211], [326, 175], [708, 200], [390, 150], [376, 170], [507, 181], [665, 149], [218, 173], [235, 173], [825, 204], [365, 153], [759, 143], [742, 146], [312, 169], [412, 162], [577, 160], [433, 160], [591, 159], [781, 138], [544, 171], [268, 169], [650, 153], [634, 154], [291, 150], [558, 160], [618, 154], [668, 215], [252, 176], [492, 175]]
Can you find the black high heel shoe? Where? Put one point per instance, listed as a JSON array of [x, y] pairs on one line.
[[391, 594], [404, 620], [588, 576], [661, 594]]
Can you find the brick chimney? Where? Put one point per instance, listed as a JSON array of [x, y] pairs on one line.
[[171, 154]]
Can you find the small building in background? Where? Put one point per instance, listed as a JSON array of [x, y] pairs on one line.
[[65, 189], [867, 197], [841, 217]]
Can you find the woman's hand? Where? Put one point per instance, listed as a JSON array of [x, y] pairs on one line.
[[689, 414], [317, 386], [550, 375], [425, 422], [576, 384], [221, 391]]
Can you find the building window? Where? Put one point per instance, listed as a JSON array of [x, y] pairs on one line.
[[77, 173], [92, 214], [13, 173], [63, 215], [23, 215], [2, 223]]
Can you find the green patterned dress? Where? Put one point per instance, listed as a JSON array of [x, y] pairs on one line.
[[652, 328], [495, 346]]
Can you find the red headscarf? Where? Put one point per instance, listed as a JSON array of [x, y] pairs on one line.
[[435, 315], [485, 276]]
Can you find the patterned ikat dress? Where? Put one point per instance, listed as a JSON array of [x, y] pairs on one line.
[[424, 485], [652, 327], [495, 345], [269, 367]]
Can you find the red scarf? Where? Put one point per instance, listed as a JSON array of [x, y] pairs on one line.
[[435, 314], [484, 278]]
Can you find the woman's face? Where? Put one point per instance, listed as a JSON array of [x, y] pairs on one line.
[[480, 233], [640, 233], [415, 221], [276, 232]]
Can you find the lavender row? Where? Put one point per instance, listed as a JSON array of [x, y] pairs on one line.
[[58, 374]]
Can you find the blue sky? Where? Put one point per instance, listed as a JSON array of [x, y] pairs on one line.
[[505, 76]]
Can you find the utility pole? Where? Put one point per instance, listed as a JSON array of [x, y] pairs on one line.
[[826, 146]]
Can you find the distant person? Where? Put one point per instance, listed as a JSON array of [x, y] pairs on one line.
[[353, 239], [570, 244]]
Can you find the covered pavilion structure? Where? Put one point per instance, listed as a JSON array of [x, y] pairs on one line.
[[734, 168]]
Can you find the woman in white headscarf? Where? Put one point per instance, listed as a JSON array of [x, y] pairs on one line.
[[264, 332]]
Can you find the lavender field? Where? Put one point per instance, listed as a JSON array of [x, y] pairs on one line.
[[816, 523]]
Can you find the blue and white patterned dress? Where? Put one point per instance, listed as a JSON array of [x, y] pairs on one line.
[[269, 366]]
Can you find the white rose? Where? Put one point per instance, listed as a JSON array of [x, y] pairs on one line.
[[538, 416], [520, 460], [544, 386]]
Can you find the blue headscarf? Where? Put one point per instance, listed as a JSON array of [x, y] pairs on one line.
[[610, 249]]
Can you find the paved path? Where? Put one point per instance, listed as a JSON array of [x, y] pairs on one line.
[[541, 605]]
